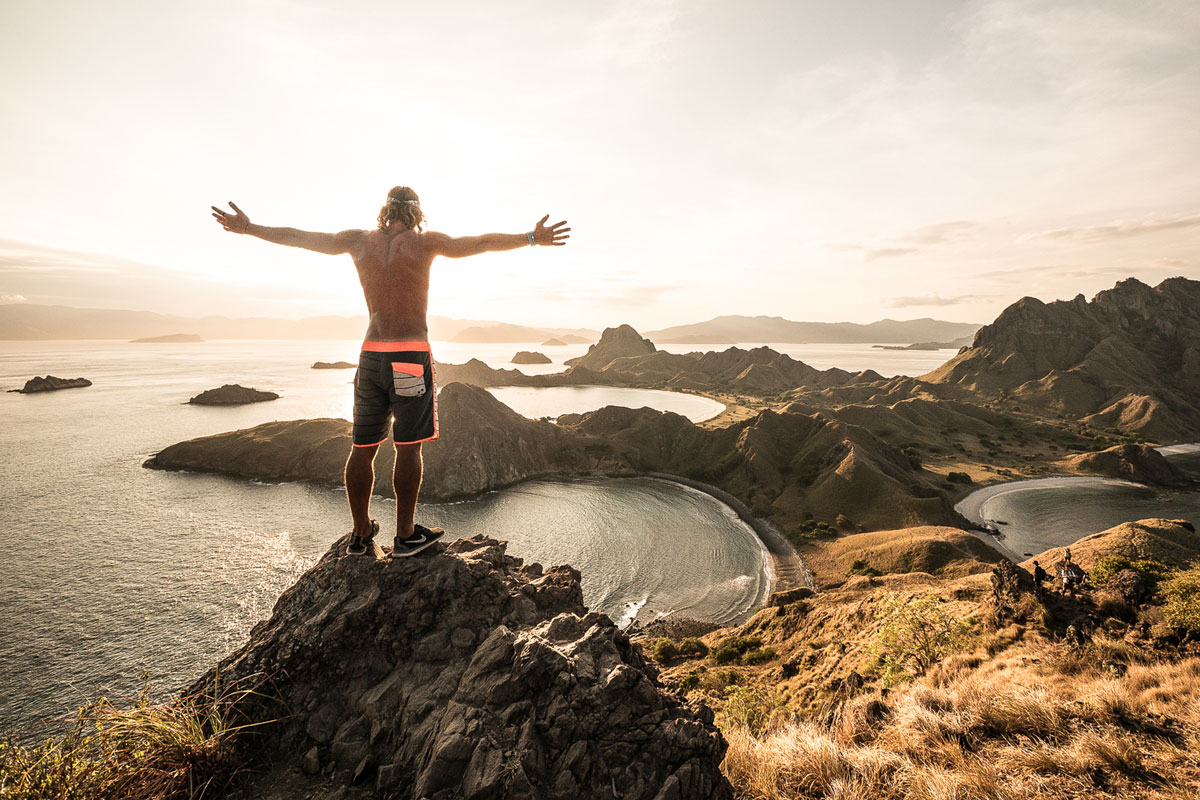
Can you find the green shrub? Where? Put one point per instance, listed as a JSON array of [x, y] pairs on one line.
[[914, 458], [750, 707], [1151, 571], [860, 567], [914, 636], [760, 656], [809, 530], [731, 650], [667, 650], [959, 477], [1182, 593]]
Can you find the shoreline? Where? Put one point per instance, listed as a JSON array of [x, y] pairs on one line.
[[788, 568]]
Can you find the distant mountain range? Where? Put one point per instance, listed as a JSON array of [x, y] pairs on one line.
[[28, 321], [762, 330]]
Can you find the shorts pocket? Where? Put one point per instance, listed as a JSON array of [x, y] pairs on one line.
[[408, 379]]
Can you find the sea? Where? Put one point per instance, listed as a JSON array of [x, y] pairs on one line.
[[115, 575], [1035, 515]]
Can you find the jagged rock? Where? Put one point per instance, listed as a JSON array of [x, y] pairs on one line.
[[790, 596], [231, 394], [460, 674], [530, 357], [1009, 584], [1128, 358], [620, 342], [51, 384]]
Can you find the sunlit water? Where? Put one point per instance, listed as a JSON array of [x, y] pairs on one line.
[[1036, 515], [111, 569]]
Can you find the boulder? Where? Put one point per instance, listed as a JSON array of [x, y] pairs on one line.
[[231, 394], [460, 673]]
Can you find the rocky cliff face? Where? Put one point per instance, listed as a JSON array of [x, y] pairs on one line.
[[620, 342], [459, 674], [1130, 358]]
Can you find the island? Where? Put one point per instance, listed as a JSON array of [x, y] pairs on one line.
[[173, 338], [552, 342], [333, 365], [231, 394], [530, 357], [51, 384]]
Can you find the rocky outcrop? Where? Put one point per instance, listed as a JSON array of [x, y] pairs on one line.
[[460, 674], [174, 338], [334, 365], [231, 394], [51, 384], [1129, 358], [620, 342], [1130, 462], [785, 466], [530, 357], [483, 445]]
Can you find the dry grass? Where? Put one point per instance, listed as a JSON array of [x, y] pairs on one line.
[[1016, 727], [183, 750]]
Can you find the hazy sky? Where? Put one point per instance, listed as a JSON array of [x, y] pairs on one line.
[[813, 160]]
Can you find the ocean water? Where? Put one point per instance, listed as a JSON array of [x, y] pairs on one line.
[[1036, 515], [112, 570]]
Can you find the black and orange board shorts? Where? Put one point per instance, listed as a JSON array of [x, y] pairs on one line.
[[394, 382]]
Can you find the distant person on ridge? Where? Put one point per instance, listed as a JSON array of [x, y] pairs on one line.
[[395, 368]]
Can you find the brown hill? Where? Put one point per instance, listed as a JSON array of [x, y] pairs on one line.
[[1173, 542], [943, 551], [614, 343], [1129, 358], [1131, 462]]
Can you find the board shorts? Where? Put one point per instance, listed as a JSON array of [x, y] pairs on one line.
[[394, 382]]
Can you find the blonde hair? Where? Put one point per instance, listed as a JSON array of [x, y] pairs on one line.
[[402, 206]]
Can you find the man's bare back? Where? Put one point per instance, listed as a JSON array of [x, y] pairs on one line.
[[394, 380]]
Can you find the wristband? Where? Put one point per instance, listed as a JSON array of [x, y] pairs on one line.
[[529, 236]]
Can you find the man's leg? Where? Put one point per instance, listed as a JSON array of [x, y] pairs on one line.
[[406, 480], [360, 480]]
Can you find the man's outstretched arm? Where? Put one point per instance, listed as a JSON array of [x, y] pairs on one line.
[[329, 243], [555, 235]]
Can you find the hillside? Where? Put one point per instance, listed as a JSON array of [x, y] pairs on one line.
[[1129, 358]]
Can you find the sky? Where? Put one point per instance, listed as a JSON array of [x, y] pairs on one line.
[[821, 161]]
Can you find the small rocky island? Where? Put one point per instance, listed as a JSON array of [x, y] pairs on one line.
[[51, 384], [231, 394], [552, 342], [530, 357], [174, 338], [333, 365]]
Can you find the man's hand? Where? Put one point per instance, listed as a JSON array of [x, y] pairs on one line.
[[553, 236], [235, 223]]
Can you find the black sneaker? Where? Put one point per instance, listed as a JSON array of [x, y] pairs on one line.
[[422, 537], [358, 544]]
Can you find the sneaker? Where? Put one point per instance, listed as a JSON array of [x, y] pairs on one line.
[[422, 537], [358, 544]]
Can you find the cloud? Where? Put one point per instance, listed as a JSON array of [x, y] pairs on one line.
[[932, 300], [1079, 273], [12, 298], [915, 241], [1119, 229]]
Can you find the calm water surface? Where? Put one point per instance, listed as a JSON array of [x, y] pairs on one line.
[[111, 569]]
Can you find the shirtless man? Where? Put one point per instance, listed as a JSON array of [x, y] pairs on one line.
[[395, 368]]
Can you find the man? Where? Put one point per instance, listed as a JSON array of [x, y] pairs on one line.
[[1040, 576], [395, 369]]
